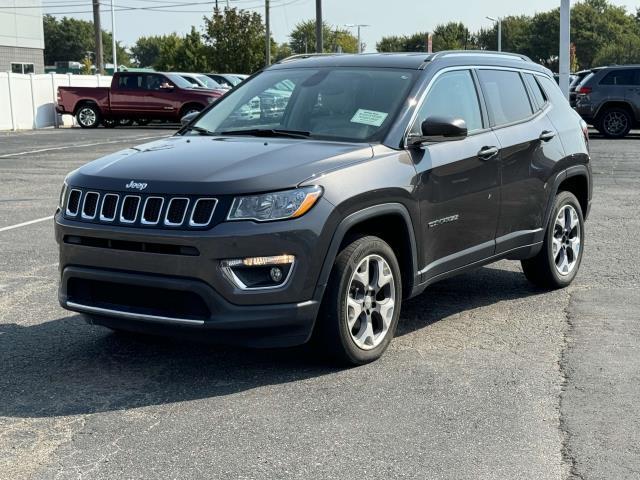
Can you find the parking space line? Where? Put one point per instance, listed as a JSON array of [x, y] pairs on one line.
[[51, 149], [24, 224]]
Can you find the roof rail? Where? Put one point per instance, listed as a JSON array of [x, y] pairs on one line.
[[301, 56], [449, 53]]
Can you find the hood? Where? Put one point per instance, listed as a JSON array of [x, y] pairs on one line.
[[218, 165]]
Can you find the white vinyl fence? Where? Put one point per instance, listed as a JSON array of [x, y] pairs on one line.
[[28, 101]]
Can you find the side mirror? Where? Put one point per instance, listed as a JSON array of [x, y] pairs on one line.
[[440, 129], [188, 117]]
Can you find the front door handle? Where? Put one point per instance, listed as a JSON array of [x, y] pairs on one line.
[[547, 135], [487, 153]]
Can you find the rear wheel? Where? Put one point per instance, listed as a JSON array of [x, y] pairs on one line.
[[557, 264], [88, 116], [615, 122], [361, 307]]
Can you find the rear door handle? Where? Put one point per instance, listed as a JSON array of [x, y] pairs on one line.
[[547, 135], [487, 153]]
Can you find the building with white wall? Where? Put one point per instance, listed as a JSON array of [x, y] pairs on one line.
[[21, 36]]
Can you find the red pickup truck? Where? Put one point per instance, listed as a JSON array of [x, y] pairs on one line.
[[140, 96]]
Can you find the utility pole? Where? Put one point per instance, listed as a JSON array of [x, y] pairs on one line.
[[113, 39], [98, 36], [268, 32], [565, 33], [319, 42]]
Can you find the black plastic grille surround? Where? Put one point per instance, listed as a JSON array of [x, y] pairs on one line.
[[141, 210]]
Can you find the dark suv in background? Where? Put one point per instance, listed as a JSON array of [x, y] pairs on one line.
[[609, 99], [377, 175]]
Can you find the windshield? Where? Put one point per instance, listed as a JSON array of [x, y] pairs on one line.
[[179, 81], [350, 104], [210, 83]]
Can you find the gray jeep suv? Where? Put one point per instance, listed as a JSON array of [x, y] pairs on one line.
[[609, 99], [375, 176]]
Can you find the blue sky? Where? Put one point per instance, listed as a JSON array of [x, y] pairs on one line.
[[386, 17]]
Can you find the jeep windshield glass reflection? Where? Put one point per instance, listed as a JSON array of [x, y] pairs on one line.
[[349, 104]]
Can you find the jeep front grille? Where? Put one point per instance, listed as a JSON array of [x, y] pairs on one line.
[[131, 210]]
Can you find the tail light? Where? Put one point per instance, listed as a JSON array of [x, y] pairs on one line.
[[585, 131], [585, 90]]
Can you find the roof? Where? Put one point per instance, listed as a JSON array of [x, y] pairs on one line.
[[409, 60]]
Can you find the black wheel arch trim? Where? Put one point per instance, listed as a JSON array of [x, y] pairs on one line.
[[574, 171], [352, 220]]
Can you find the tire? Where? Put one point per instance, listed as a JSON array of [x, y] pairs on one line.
[[374, 327], [88, 115], [187, 109], [614, 122], [558, 262]]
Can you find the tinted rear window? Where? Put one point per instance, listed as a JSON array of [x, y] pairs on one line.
[[506, 96], [538, 95], [618, 77]]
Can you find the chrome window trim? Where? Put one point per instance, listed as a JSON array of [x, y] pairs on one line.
[[115, 210], [144, 209], [235, 281], [193, 210], [67, 211], [135, 216], [95, 212], [166, 214], [469, 67]]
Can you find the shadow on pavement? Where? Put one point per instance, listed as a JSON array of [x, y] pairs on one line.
[[66, 367]]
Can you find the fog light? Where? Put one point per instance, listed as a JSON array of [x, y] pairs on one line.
[[258, 272], [276, 274]]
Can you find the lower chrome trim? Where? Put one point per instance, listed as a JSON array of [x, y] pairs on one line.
[[130, 315]]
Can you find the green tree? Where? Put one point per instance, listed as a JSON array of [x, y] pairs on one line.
[[169, 57], [452, 36], [69, 39], [234, 40], [281, 51], [303, 38], [392, 43], [191, 54], [146, 51]]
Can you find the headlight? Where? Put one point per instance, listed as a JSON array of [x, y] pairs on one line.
[[63, 193], [276, 205]]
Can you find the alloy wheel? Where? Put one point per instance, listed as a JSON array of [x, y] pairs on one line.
[[615, 123], [566, 241], [87, 117], [370, 302]]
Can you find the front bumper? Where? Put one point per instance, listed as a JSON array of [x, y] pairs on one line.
[[257, 326], [277, 316]]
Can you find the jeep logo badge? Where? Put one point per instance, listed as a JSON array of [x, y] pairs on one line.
[[136, 185]]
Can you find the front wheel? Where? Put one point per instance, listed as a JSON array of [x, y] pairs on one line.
[[557, 264], [88, 116], [361, 307]]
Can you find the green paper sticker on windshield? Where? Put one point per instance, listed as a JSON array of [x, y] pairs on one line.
[[369, 117]]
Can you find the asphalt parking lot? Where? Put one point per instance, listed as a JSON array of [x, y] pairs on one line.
[[488, 377]]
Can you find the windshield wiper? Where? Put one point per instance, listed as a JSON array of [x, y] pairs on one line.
[[200, 130], [269, 132]]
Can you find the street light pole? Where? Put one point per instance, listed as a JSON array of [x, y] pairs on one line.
[[361, 25], [113, 39], [268, 32], [499, 22], [564, 54]]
